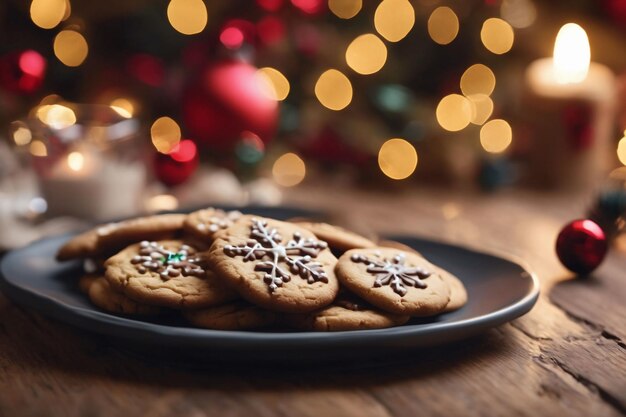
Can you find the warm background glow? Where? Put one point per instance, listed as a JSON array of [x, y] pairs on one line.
[[497, 35], [366, 54], [187, 16], [289, 170], [48, 13], [572, 54], [621, 149], [478, 79], [394, 19], [333, 90], [482, 107], [71, 48], [496, 135], [273, 83], [397, 159], [443, 25], [454, 112], [345, 9], [165, 134]]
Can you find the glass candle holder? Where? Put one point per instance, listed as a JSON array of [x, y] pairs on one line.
[[88, 159]]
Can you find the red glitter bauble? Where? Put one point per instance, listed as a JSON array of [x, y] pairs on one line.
[[177, 166], [581, 246], [22, 72], [225, 101]]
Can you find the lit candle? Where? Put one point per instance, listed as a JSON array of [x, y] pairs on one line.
[[88, 185], [570, 107]]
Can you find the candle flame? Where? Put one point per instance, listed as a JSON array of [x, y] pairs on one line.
[[76, 161], [571, 54]]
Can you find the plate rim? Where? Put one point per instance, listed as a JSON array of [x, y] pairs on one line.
[[112, 325]]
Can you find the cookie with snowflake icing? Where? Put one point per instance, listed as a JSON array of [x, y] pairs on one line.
[[275, 265], [347, 312], [396, 281], [167, 273], [205, 223], [458, 293]]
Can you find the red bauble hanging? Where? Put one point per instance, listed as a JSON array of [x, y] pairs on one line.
[[177, 166], [581, 246], [226, 100], [22, 72]]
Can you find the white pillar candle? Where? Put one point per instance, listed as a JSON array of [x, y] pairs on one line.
[[88, 185], [570, 107]]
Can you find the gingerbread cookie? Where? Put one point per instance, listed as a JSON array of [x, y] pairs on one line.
[[112, 237], [276, 265], [458, 293], [337, 237], [205, 223], [103, 296], [384, 243], [83, 245], [166, 273], [396, 281], [237, 315], [347, 312]]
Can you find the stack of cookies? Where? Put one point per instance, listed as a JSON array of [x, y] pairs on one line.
[[230, 271]]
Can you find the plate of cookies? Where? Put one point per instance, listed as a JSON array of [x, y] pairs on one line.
[[251, 284]]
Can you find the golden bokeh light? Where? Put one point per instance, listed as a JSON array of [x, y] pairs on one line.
[[56, 116], [394, 19], [478, 79], [165, 134], [38, 148], [397, 159], [366, 54], [123, 107], [273, 83], [443, 25], [75, 161], [482, 107], [333, 90], [345, 9], [289, 170], [187, 16], [161, 202], [497, 35], [21, 134], [70, 47], [621, 150], [48, 13], [519, 13], [496, 135], [454, 112]]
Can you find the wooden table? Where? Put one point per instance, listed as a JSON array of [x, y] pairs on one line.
[[565, 358]]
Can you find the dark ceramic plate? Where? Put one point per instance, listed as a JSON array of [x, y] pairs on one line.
[[499, 290]]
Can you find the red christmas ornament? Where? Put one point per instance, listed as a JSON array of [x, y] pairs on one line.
[[177, 166], [581, 246], [225, 101], [22, 72]]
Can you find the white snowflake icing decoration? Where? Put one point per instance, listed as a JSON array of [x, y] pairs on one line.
[[266, 245], [219, 220], [168, 264], [394, 272]]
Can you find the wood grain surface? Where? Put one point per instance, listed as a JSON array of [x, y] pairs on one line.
[[566, 357]]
